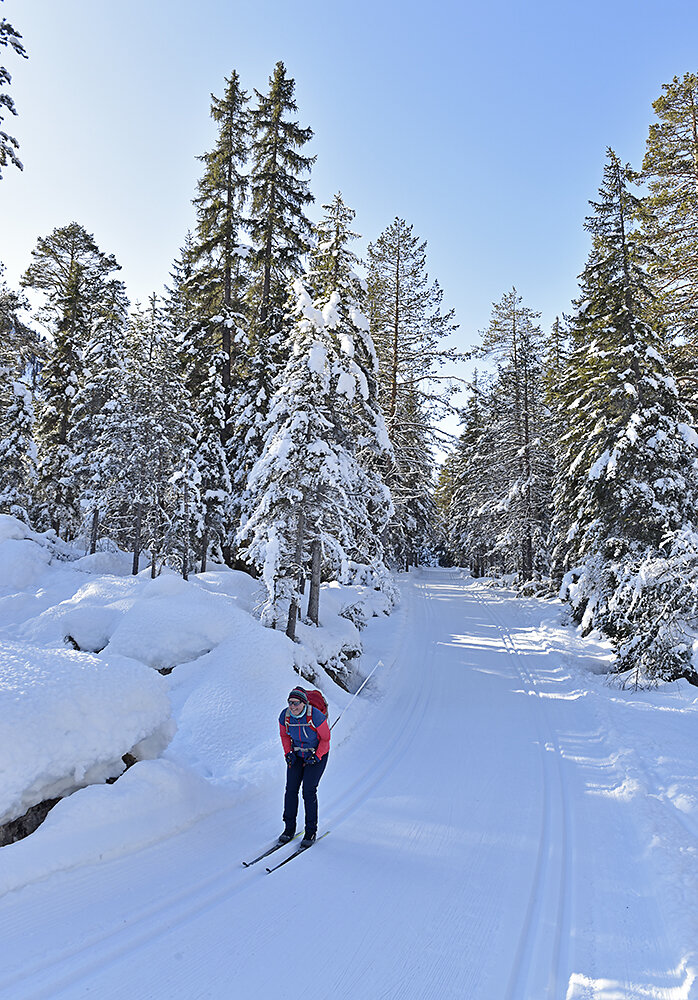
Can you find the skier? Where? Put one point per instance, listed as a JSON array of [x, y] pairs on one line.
[[305, 736]]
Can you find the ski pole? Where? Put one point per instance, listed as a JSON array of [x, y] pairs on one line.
[[379, 664]]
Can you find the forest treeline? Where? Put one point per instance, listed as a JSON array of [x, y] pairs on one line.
[[576, 467], [273, 408]]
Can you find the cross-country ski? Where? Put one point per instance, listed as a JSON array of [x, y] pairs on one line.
[[270, 850], [299, 850]]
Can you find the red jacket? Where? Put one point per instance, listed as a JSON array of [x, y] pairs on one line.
[[302, 736]]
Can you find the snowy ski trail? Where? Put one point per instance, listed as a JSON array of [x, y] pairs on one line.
[[486, 844]]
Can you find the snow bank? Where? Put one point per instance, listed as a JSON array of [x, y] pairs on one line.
[[69, 717], [154, 799], [175, 622], [70, 714]]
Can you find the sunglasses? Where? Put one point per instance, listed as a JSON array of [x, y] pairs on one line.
[[295, 701]]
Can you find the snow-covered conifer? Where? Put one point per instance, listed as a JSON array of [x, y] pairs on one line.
[[17, 454], [408, 328], [72, 273], [628, 480], [300, 489], [359, 423]]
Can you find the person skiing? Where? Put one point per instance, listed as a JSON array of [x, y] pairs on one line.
[[305, 737]]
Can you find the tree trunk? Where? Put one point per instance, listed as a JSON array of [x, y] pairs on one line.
[[315, 569], [95, 531], [298, 558], [137, 540], [153, 564], [204, 550], [185, 540]]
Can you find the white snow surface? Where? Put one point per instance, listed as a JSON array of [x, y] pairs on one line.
[[504, 823]]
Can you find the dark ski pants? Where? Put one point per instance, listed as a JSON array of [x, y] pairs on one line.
[[307, 775]]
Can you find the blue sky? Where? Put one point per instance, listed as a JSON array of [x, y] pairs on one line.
[[485, 126]]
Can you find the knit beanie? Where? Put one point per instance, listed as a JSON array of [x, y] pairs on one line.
[[299, 694]]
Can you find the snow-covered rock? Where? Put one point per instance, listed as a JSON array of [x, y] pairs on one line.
[[68, 718]]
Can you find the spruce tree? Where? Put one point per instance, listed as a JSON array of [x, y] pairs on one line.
[[280, 195], [218, 280], [8, 145], [17, 454], [670, 167], [303, 487], [72, 272], [408, 328], [340, 295], [628, 476], [208, 399], [280, 233], [523, 470], [469, 499], [103, 364]]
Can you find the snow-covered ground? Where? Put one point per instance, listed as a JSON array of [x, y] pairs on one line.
[[503, 824]]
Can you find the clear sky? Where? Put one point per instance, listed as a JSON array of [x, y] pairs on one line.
[[485, 125]]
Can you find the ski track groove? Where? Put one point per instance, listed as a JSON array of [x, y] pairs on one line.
[[555, 827], [184, 905]]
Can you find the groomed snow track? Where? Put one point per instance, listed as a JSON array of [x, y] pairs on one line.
[[471, 809]]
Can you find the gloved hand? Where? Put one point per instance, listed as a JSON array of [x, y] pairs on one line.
[[311, 758], [289, 757]]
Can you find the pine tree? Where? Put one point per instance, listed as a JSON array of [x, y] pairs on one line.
[[470, 507], [359, 422], [280, 194], [280, 234], [103, 366], [187, 519], [670, 167], [145, 432], [208, 397], [628, 476], [17, 455], [408, 328], [303, 487], [72, 272], [523, 452], [219, 280], [8, 145], [20, 347]]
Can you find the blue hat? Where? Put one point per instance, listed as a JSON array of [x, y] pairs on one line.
[[300, 694]]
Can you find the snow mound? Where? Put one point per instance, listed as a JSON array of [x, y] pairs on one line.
[[69, 717], [174, 622], [155, 799], [89, 616], [23, 563]]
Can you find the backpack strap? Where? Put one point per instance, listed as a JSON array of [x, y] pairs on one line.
[[308, 720]]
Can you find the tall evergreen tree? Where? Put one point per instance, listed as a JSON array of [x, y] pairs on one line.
[[280, 233], [470, 497], [359, 422], [523, 471], [219, 279], [628, 486], [102, 371], [280, 195], [408, 328], [72, 272], [670, 167], [304, 487], [17, 454], [8, 145]]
